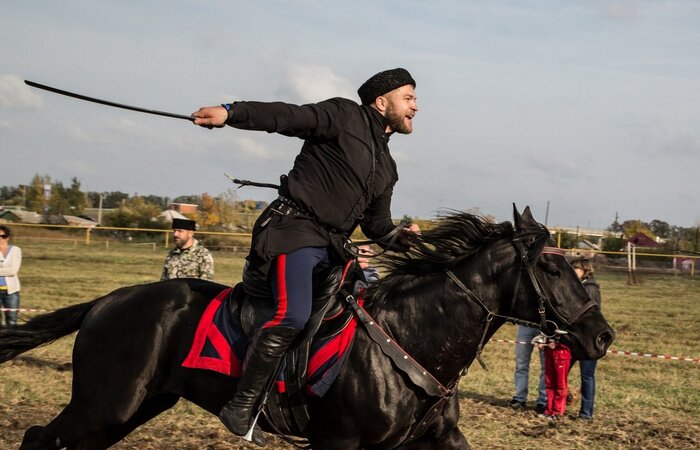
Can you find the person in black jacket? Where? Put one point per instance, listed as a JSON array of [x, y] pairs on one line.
[[584, 270], [343, 177]]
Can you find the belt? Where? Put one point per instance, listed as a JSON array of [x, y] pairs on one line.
[[290, 207]]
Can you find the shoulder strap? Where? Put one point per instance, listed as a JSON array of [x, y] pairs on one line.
[[370, 179], [403, 361]]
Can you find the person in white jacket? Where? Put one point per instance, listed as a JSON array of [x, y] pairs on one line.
[[10, 261]]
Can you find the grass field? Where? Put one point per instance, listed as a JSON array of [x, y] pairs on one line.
[[640, 403]]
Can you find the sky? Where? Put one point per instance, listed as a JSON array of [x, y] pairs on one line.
[[590, 106]]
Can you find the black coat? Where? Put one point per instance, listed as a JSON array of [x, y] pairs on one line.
[[333, 179], [592, 288]]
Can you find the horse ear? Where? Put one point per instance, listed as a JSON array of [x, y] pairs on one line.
[[527, 216], [516, 217], [523, 221]]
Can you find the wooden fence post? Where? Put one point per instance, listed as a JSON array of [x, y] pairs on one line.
[[631, 263]]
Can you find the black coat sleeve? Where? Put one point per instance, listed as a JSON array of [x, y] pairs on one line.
[[593, 291], [319, 120], [377, 220]]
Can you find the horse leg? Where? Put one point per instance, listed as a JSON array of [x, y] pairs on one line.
[[454, 440], [74, 431], [331, 443], [109, 398], [52, 436], [113, 433], [70, 429], [149, 409], [34, 440]]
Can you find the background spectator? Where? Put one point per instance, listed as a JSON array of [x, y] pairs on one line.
[[370, 273], [10, 262], [584, 270], [189, 259], [523, 353], [557, 361]]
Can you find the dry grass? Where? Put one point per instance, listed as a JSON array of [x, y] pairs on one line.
[[640, 403]]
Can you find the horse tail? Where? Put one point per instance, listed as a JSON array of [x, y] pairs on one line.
[[42, 330]]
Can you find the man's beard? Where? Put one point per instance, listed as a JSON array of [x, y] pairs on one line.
[[396, 121]]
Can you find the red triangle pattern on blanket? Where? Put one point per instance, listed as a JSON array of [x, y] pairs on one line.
[[227, 363]]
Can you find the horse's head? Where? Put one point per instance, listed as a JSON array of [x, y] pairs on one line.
[[506, 272], [551, 294]]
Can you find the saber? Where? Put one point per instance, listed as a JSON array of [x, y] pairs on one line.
[[242, 183], [107, 102]]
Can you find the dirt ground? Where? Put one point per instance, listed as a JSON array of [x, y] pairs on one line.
[[488, 423]]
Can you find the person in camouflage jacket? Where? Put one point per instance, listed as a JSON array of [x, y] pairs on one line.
[[189, 258]]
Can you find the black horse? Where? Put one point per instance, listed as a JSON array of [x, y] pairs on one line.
[[440, 302]]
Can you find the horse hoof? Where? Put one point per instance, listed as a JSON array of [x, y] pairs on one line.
[[34, 439]]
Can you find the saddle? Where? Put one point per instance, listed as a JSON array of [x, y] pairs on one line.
[[252, 305]]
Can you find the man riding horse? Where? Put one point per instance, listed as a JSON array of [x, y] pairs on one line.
[[343, 177]]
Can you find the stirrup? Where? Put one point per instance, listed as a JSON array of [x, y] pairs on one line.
[[255, 434], [252, 433]]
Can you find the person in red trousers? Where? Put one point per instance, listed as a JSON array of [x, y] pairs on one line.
[[557, 359]]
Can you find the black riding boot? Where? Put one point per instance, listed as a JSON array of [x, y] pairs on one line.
[[267, 349]]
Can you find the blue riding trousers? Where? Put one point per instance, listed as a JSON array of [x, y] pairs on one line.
[[523, 352], [587, 387], [291, 279], [10, 301]]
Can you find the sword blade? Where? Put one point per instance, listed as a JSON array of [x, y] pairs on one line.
[[106, 102]]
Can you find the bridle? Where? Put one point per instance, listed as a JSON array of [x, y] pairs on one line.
[[542, 299], [421, 377]]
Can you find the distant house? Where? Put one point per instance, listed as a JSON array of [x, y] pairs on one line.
[[183, 208], [169, 214], [642, 240], [20, 216], [683, 263], [94, 213], [585, 248], [79, 221]]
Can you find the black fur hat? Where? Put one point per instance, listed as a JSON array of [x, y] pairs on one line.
[[384, 82], [184, 224]]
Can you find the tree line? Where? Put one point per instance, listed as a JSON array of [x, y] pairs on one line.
[[52, 199], [672, 238], [226, 212]]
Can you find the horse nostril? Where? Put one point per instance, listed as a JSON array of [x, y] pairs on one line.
[[605, 339]]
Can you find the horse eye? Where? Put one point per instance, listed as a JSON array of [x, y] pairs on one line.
[[550, 268]]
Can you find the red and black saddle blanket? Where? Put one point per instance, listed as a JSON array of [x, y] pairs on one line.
[[220, 345]]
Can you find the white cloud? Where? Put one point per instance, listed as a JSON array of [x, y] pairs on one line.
[[519, 101], [253, 150], [15, 94], [313, 83]]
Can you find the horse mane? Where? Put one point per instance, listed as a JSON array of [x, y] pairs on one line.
[[457, 236]]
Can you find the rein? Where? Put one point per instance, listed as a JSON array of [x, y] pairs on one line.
[[387, 241], [542, 298], [419, 375]]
